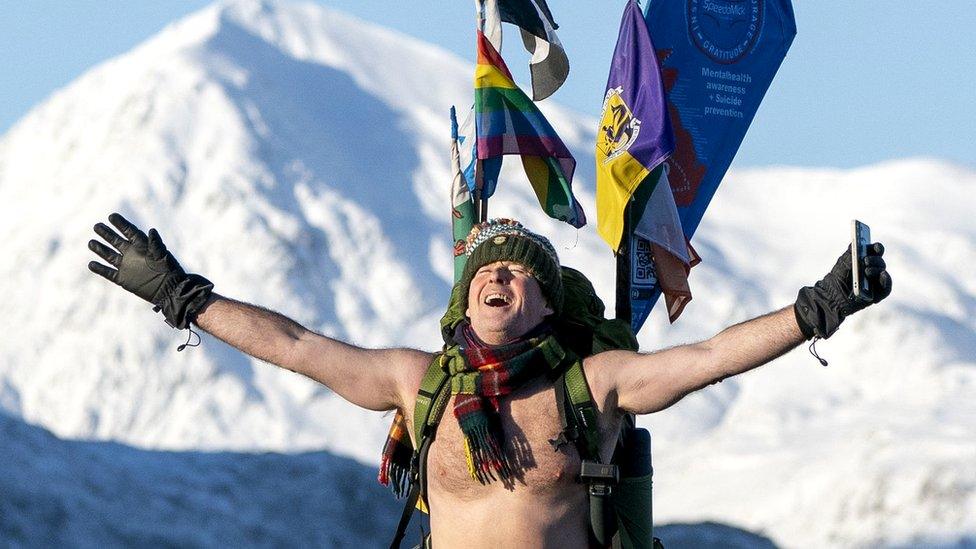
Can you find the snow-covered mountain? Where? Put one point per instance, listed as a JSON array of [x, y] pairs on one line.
[[59, 493], [299, 159]]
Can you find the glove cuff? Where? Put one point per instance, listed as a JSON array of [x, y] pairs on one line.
[[806, 313], [820, 309], [181, 298], [816, 314], [805, 317]]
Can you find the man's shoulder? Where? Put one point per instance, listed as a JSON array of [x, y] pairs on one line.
[[607, 359], [412, 363], [411, 358], [603, 370]]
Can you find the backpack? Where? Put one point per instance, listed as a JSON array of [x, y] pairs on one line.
[[619, 491]]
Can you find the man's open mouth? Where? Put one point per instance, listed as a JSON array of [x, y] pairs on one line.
[[497, 300]]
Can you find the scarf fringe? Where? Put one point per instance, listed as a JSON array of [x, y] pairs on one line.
[[485, 456], [397, 452], [395, 476]]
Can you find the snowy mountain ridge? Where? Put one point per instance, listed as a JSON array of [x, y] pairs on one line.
[[298, 158]]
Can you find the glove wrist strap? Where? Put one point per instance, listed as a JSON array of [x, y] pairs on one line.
[[817, 313], [182, 298]]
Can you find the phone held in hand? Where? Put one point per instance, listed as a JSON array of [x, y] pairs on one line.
[[860, 240]]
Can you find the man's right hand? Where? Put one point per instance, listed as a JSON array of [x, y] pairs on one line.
[[146, 268], [144, 265]]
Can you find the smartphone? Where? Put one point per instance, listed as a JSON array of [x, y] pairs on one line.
[[860, 240]]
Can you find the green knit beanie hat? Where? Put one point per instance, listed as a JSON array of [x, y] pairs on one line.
[[508, 240]]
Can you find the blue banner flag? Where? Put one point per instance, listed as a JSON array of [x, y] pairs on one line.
[[718, 58]]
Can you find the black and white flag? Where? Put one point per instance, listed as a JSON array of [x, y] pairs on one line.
[[549, 66]]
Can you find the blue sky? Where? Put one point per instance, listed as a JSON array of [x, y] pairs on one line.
[[865, 81]]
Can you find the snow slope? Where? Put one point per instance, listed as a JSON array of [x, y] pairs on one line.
[[60, 493], [104, 494], [299, 159]]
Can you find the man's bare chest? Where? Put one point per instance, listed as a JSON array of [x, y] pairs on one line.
[[529, 419]]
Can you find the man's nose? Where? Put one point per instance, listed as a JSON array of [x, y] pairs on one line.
[[501, 274]]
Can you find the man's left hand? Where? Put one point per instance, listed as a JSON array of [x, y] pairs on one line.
[[821, 308]]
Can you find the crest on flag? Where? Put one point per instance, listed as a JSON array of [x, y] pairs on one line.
[[618, 127]]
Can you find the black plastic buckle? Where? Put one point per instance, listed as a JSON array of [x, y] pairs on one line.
[[415, 466], [599, 476], [566, 436]]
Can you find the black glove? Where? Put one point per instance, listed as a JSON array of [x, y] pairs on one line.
[[148, 270], [821, 308]]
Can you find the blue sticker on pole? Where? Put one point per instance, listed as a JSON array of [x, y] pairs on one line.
[[644, 287]]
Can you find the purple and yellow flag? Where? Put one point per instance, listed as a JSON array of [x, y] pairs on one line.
[[635, 134], [508, 122]]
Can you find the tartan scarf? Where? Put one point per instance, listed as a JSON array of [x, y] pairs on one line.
[[480, 375]]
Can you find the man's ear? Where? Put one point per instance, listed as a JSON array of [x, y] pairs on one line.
[[548, 310], [467, 313]]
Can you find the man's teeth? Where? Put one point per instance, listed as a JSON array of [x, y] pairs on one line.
[[496, 299]]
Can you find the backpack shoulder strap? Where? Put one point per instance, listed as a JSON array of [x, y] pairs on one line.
[[431, 398], [573, 393], [583, 410], [576, 411], [427, 411]]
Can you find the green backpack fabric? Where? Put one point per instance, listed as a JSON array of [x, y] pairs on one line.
[[619, 491]]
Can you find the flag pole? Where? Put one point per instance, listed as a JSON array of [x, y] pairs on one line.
[[476, 195], [637, 442], [622, 305]]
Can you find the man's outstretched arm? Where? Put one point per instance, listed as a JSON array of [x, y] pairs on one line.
[[371, 378], [376, 379], [645, 383]]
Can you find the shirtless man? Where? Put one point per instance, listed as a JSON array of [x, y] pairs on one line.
[[513, 288]]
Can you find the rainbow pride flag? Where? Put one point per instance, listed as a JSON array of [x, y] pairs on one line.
[[508, 122]]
